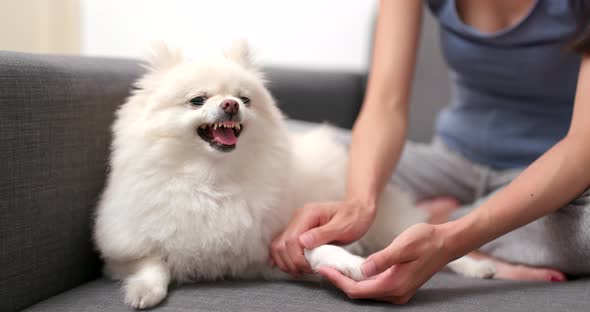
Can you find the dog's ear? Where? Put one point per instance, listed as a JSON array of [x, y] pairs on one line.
[[161, 57], [240, 52]]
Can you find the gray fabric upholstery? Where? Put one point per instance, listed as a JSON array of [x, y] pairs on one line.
[[445, 292], [318, 96], [55, 114]]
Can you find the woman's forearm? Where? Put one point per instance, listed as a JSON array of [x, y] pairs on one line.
[[548, 184], [375, 148], [380, 130]]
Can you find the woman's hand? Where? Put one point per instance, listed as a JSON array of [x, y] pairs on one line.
[[400, 269], [316, 224]]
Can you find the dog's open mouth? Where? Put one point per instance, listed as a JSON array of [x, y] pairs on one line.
[[222, 136]]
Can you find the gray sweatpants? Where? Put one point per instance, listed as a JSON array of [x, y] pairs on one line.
[[560, 240]]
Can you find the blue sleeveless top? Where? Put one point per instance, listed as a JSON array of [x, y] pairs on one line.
[[513, 90]]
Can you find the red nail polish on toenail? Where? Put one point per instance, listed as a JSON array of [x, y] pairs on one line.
[[557, 279]]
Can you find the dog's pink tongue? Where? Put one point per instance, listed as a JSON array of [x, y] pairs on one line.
[[225, 136]]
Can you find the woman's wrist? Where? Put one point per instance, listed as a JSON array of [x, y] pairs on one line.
[[366, 204], [461, 236]]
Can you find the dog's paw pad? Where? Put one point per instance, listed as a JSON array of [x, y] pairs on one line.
[[142, 295], [480, 269], [352, 271], [338, 258]]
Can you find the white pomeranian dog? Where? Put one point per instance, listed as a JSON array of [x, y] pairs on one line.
[[204, 174]]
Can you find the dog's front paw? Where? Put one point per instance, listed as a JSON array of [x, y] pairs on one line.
[[337, 258], [483, 269], [143, 294], [473, 268]]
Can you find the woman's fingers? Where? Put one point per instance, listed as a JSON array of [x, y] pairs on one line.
[[371, 288], [320, 235], [338, 279], [407, 263], [316, 224], [286, 250], [295, 253], [408, 246], [386, 258]]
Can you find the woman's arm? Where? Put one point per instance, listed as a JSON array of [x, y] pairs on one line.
[[380, 130], [377, 140], [552, 181]]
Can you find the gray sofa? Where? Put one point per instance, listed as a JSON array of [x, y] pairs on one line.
[[55, 113]]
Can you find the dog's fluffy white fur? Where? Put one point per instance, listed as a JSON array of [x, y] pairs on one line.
[[180, 207]]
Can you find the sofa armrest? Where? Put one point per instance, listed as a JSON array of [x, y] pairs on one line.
[[317, 96], [55, 117]]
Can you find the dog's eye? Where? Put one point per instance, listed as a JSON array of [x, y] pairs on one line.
[[245, 100], [198, 101]]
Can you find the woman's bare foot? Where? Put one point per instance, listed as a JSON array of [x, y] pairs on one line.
[[439, 208], [518, 272]]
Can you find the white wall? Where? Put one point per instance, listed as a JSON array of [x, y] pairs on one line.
[[40, 26], [326, 34]]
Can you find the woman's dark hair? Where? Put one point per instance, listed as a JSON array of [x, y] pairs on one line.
[[581, 42]]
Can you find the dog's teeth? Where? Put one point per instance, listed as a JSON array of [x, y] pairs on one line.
[[237, 126], [214, 126]]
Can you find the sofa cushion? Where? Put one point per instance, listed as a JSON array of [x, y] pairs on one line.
[[445, 292]]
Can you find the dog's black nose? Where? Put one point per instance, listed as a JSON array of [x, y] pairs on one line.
[[230, 106]]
